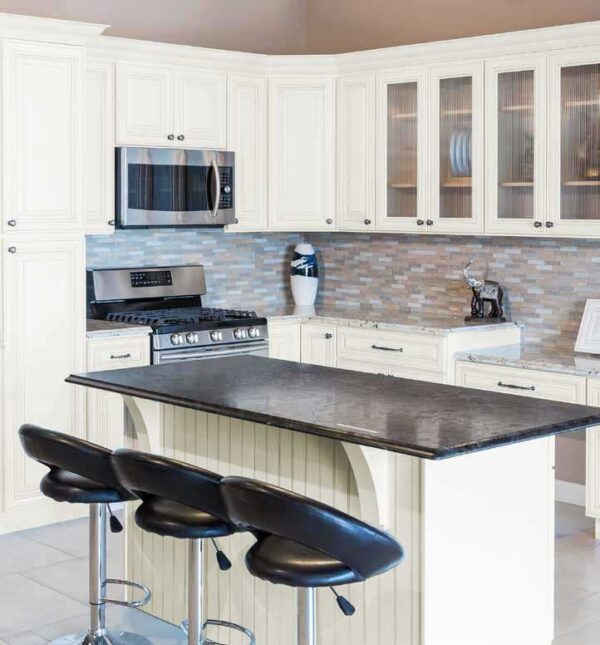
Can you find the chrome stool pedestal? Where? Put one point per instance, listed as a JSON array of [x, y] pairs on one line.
[[307, 616], [98, 633]]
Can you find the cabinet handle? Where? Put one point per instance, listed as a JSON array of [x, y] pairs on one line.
[[111, 222], [328, 336], [537, 224], [549, 224], [367, 222], [12, 249], [180, 137], [387, 349], [429, 222], [12, 222], [114, 357], [329, 221], [420, 222], [171, 137], [531, 388]]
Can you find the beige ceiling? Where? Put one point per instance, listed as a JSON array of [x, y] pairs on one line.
[[309, 26]]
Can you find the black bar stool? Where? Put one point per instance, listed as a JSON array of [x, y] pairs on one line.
[[181, 501], [303, 543], [81, 473]]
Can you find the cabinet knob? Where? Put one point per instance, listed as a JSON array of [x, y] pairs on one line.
[[420, 222], [12, 222], [328, 336], [111, 222], [549, 224], [429, 222], [367, 222], [171, 137], [537, 224], [12, 249], [236, 221], [180, 137], [329, 220]]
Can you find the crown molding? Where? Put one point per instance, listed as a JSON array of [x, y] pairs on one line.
[[48, 29]]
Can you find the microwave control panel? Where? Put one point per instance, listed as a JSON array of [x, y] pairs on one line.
[[226, 176]]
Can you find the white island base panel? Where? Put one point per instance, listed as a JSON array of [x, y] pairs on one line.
[[477, 531]]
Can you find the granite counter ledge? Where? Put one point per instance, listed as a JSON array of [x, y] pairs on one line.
[[109, 329], [477, 528]]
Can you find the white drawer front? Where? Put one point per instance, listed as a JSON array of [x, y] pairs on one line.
[[415, 375], [361, 366], [118, 352], [391, 348], [522, 382]]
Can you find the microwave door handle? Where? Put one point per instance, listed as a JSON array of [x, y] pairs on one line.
[[217, 187]]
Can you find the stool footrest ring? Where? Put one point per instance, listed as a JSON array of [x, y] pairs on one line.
[[219, 623], [144, 600]]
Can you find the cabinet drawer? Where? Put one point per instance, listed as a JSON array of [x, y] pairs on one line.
[[415, 375], [360, 366], [391, 348], [522, 382], [118, 352]]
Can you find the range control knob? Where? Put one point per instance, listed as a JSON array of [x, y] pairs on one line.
[[177, 339], [191, 338], [227, 189], [254, 332], [216, 336], [239, 333]]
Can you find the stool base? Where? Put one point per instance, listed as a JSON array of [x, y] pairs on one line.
[[107, 637]]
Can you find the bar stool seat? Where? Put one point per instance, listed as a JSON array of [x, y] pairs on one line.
[[64, 486], [168, 518], [286, 562]]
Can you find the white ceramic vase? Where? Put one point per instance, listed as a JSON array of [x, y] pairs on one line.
[[304, 272]]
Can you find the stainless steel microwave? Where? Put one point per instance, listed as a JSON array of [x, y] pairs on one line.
[[165, 187]]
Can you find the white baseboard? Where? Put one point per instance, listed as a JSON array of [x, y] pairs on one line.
[[570, 493]]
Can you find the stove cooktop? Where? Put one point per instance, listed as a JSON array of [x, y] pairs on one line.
[[183, 317]]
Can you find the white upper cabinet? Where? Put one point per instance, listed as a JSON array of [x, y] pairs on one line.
[[456, 124], [516, 145], [166, 106], [402, 181], [247, 134], [356, 152], [42, 99], [574, 142], [99, 148], [302, 153]]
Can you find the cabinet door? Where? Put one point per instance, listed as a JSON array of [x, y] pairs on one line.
[[248, 139], [44, 310], [456, 124], [356, 152], [145, 105], [42, 96], [200, 106], [284, 341], [301, 154], [574, 137], [99, 148], [402, 152], [318, 344], [516, 145], [592, 478]]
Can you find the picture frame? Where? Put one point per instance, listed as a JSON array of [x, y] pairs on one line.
[[588, 338]]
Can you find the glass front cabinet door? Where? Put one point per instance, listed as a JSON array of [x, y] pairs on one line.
[[402, 181], [515, 145], [456, 145], [574, 137]]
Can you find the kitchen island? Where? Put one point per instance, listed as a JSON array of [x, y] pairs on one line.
[[463, 479]]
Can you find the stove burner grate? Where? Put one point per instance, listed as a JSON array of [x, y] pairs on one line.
[[182, 316]]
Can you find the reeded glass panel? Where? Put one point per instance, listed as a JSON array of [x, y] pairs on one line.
[[580, 143], [402, 150], [456, 129], [516, 130]]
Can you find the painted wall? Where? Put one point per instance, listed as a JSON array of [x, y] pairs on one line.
[[335, 26], [264, 26]]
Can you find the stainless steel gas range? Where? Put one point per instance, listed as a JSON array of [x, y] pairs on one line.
[[169, 300]]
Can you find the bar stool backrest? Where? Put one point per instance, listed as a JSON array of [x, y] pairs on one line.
[[266, 509], [151, 476], [59, 451]]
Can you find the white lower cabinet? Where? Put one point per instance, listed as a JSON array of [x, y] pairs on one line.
[[44, 342], [284, 340], [592, 447], [105, 410], [318, 344]]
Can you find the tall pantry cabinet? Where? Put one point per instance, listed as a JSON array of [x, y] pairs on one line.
[[43, 262]]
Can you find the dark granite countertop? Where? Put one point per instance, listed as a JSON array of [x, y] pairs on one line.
[[411, 417]]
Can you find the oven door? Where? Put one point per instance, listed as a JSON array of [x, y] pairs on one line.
[[163, 187], [203, 353]]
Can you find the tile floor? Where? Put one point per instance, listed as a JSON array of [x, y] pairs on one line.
[[43, 585]]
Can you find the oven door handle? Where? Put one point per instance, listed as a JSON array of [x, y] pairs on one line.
[[216, 179]]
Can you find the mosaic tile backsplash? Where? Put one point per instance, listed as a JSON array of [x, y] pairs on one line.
[[546, 282]]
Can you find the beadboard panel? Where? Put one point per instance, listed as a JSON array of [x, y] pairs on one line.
[[388, 607]]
